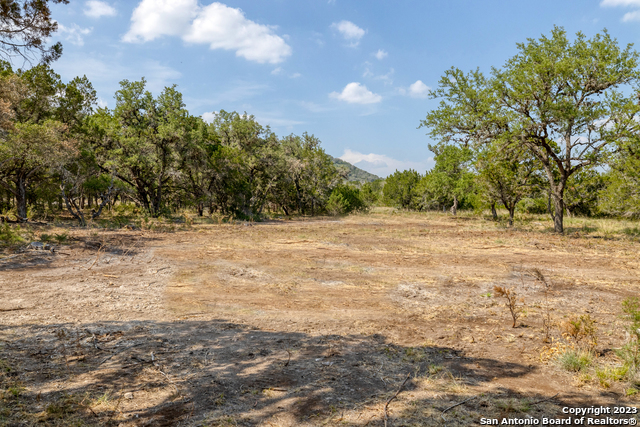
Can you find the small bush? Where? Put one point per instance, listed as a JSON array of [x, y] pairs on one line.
[[607, 374], [533, 206], [345, 199], [10, 235], [630, 352], [582, 330], [575, 361]]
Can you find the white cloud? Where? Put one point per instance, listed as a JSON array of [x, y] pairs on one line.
[[356, 93], [295, 75], [350, 31], [383, 165], [277, 71], [209, 117], [74, 34], [613, 3], [418, 90], [631, 16], [219, 26], [155, 18], [96, 9], [386, 78], [381, 54]]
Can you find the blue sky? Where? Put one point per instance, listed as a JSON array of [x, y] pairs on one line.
[[354, 73]]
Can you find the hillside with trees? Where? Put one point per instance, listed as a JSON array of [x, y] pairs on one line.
[[353, 173]]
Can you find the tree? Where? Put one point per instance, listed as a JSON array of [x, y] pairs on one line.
[[400, 189], [621, 192], [34, 141], [507, 174], [564, 101], [25, 27], [142, 139], [450, 180], [28, 151]]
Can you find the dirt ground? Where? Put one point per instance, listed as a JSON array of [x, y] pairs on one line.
[[368, 320]]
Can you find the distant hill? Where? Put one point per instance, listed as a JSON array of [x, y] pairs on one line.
[[354, 173]]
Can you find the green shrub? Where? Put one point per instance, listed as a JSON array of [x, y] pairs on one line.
[[10, 235], [345, 199], [533, 205], [575, 361], [630, 352]]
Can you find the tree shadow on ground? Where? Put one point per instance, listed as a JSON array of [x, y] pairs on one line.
[[195, 372]]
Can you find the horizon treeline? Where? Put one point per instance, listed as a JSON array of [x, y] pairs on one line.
[[556, 130], [59, 152]]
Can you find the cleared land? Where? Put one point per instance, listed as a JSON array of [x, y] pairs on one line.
[[310, 322]]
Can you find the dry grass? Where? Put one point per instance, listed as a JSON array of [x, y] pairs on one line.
[[312, 321]]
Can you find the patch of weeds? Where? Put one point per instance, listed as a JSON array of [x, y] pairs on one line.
[[390, 352], [582, 330], [487, 295], [575, 360], [608, 374], [630, 352], [584, 378], [631, 391], [15, 390], [220, 400], [415, 355], [633, 232], [61, 238], [10, 235], [434, 369]]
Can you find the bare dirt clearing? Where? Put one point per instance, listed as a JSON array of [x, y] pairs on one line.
[[314, 322]]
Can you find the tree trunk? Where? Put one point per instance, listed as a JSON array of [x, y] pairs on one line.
[[454, 208], [558, 220], [21, 198], [512, 211], [494, 214]]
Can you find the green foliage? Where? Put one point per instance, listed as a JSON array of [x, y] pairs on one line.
[[507, 174], [620, 193], [345, 199], [533, 205], [630, 352], [450, 182], [575, 360], [372, 192], [10, 235], [581, 194], [565, 102], [400, 189]]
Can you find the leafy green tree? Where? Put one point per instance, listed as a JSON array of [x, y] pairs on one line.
[[507, 174], [345, 199], [450, 180], [37, 140], [308, 171], [244, 165], [620, 194], [400, 189], [581, 194], [372, 191], [565, 101], [141, 141], [25, 28]]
